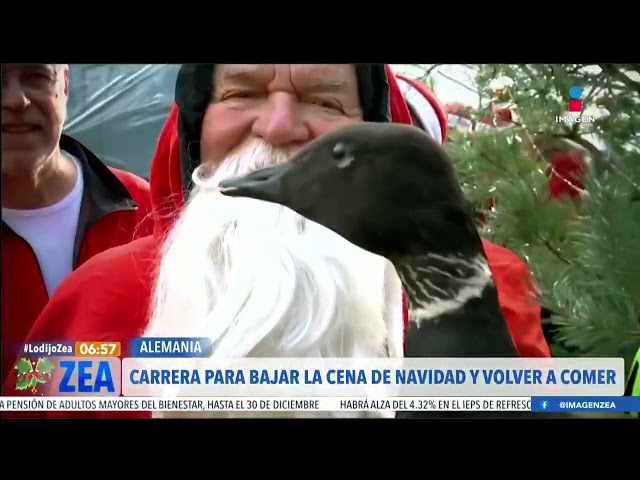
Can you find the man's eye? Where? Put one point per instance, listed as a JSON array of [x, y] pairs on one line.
[[330, 106], [326, 104], [37, 79], [238, 95]]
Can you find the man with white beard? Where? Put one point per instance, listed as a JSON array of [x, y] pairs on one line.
[[261, 281], [255, 278]]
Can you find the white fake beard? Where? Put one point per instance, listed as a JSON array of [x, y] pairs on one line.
[[259, 280]]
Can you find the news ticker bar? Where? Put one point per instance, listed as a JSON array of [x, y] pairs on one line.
[[325, 404], [73, 349]]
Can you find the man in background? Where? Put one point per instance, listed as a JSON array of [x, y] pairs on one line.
[[60, 204]]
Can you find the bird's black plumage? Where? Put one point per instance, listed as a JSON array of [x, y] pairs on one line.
[[387, 188], [392, 190]]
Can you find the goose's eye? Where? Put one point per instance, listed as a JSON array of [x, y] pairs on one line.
[[343, 155], [339, 151]]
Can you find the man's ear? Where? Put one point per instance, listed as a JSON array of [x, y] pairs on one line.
[[66, 81]]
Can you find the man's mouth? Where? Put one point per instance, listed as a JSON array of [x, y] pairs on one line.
[[18, 128]]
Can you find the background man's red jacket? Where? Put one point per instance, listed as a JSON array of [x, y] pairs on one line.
[[116, 207]]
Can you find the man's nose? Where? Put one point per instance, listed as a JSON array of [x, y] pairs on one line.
[[13, 95], [280, 123]]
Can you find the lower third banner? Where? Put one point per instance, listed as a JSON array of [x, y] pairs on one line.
[[267, 404]]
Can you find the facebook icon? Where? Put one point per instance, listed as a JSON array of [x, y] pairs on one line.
[[543, 404]]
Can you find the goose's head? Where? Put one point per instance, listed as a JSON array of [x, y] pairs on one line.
[[388, 188]]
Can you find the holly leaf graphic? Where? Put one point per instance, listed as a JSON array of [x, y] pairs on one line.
[[23, 366], [22, 383], [44, 365], [33, 381], [42, 380]]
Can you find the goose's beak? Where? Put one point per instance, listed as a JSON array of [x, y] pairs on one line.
[[264, 184]]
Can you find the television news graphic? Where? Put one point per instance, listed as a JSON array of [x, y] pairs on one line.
[[49, 349], [34, 368], [189, 347], [152, 369], [32, 373], [72, 349], [575, 102], [585, 404], [322, 404], [576, 107], [98, 349], [92, 368], [267, 404], [172, 374]]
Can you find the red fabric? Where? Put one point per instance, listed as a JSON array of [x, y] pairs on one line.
[[166, 177], [566, 170], [24, 295], [504, 115], [521, 311], [107, 299], [435, 103]]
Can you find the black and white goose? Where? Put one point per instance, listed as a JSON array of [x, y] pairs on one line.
[[392, 190]]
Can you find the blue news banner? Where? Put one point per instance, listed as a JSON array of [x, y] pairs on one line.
[[95, 376]]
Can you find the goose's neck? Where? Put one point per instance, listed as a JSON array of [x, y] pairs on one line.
[[439, 284]]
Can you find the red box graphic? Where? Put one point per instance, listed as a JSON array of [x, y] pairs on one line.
[[575, 105]]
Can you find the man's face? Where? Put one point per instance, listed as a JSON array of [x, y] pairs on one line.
[[286, 106], [34, 101], [256, 278]]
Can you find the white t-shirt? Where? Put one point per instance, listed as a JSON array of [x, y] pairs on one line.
[[51, 232]]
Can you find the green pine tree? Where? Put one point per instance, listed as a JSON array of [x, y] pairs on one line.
[[585, 255]]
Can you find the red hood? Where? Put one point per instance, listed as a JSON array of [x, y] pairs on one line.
[[426, 110], [167, 167]]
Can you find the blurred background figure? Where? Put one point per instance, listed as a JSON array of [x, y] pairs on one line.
[[61, 204]]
